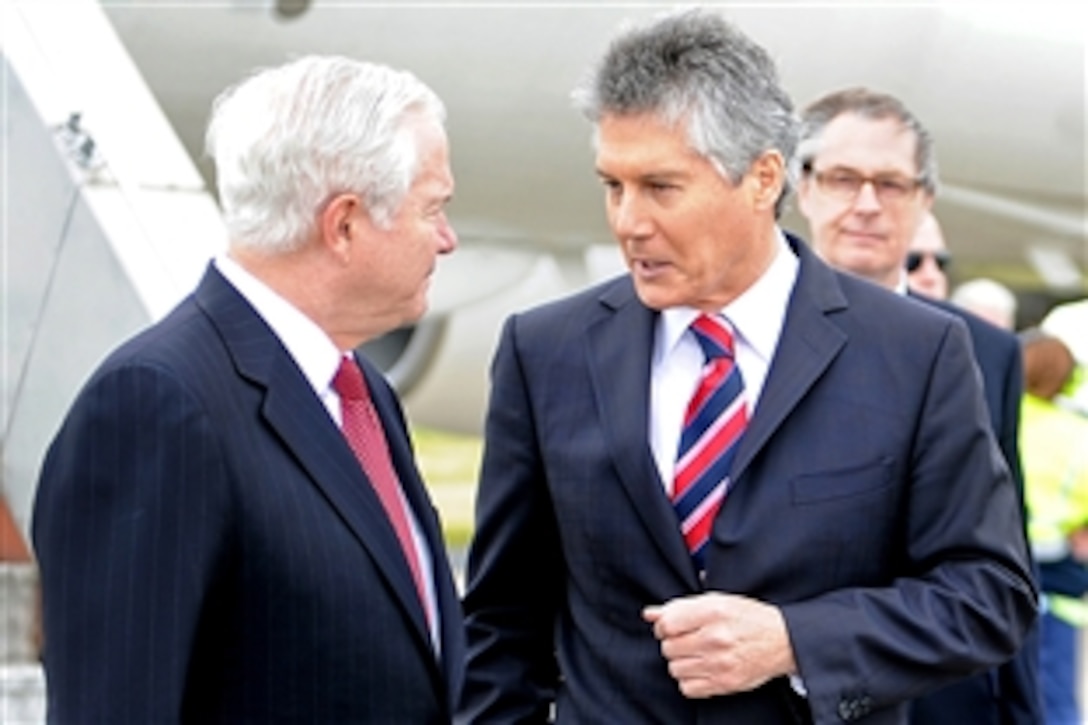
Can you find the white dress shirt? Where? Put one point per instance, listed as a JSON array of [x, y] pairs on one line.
[[756, 316]]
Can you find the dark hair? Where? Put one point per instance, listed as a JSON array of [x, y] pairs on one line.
[[1048, 363]]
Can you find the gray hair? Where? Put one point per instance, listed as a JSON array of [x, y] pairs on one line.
[[287, 139], [873, 106], [694, 67]]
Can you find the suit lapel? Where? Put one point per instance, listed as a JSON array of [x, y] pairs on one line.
[[807, 345], [620, 345], [303, 425]]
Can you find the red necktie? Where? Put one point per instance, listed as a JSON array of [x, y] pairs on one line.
[[713, 425], [366, 437]]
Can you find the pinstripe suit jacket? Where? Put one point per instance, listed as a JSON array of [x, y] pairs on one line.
[[211, 551], [869, 502]]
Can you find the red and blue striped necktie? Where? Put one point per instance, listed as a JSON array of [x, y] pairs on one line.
[[713, 425]]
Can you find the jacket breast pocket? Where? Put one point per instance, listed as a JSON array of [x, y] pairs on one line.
[[867, 479], [858, 512]]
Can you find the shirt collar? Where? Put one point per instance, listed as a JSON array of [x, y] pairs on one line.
[[756, 315], [312, 350]]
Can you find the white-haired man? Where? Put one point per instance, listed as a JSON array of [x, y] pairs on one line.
[[230, 524]]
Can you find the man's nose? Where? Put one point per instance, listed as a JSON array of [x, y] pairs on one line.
[[447, 237], [867, 200], [629, 217]]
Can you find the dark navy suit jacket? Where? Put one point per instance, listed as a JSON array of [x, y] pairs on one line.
[[211, 551], [1008, 694], [869, 503]]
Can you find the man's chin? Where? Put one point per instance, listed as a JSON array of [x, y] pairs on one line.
[[655, 296], [413, 313]]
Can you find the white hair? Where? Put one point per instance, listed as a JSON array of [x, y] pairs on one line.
[[287, 139], [986, 296]]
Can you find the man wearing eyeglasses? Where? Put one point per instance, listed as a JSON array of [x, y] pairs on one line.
[[868, 177], [928, 260]]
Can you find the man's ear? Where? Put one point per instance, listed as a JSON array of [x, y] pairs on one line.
[[340, 224], [766, 179]]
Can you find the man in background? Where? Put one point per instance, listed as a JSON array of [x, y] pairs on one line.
[[868, 176], [928, 260], [230, 524]]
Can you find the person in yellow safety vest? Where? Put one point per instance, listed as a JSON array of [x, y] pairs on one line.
[[1054, 453]]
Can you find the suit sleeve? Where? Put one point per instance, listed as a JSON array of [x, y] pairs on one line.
[[128, 527], [514, 571], [967, 597], [1009, 435]]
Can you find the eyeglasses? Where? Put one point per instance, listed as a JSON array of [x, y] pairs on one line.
[[845, 185], [915, 259]]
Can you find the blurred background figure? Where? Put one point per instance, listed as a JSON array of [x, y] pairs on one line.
[[1055, 466], [1069, 322], [928, 259], [989, 299]]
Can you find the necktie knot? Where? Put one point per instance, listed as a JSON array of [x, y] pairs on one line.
[[348, 381], [714, 335]]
